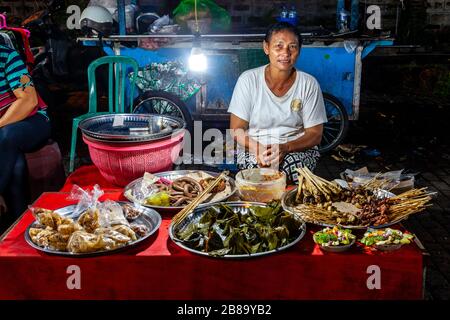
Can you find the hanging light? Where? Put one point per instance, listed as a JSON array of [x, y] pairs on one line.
[[197, 59]]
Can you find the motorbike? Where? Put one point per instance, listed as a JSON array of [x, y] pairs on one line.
[[60, 61]]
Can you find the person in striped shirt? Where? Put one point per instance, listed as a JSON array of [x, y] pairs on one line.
[[24, 127]]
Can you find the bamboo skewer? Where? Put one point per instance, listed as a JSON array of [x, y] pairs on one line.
[[180, 216], [399, 206], [299, 188]]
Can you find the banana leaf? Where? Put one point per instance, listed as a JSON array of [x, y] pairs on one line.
[[213, 242], [222, 231]]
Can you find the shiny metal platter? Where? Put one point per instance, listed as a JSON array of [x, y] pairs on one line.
[[172, 175], [237, 206], [149, 218]]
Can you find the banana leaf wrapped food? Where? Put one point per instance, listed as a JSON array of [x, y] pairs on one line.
[[223, 231]]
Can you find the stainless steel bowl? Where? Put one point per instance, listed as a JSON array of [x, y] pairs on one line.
[[130, 127]]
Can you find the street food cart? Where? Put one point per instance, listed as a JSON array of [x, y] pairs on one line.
[[335, 62]]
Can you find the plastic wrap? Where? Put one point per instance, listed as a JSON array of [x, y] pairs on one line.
[[111, 214], [86, 199], [144, 189]]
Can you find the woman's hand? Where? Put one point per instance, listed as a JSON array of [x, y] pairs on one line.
[[260, 154], [275, 153]]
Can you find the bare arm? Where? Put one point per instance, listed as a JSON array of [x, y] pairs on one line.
[[310, 139], [21, 108], [239, 132]]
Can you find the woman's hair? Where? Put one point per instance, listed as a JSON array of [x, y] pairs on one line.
[[282, 26]]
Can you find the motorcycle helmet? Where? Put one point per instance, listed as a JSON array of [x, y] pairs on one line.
[[96, 20]]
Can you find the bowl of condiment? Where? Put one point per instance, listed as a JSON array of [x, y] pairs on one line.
[[260, 184]]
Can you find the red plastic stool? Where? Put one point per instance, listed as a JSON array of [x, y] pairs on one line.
[[45, 170]]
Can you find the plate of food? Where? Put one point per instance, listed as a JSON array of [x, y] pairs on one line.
[[386, 239], [327, 203], [110, 227], [334, 239], [238, 230], [173, 190]]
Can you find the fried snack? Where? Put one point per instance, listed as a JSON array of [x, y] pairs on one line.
[[125, 230], [48, 218], [130, 211], [83, 242], [67, 229], [118, 237], [34, 232], [58, 241], [89, 220], [108, 243], [139, 229], [42, 237], [66, 220]]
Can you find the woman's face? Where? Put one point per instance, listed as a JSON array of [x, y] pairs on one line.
[[283, 50]]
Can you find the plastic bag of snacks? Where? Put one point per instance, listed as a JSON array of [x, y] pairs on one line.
[[109, 213], [87, 199]]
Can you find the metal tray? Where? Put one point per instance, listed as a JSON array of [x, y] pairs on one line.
[[241, 206], [287, 201], [129, 127], [172, 175], [149, 217]]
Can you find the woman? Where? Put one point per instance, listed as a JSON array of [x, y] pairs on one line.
[[24, 127], [277, 112]]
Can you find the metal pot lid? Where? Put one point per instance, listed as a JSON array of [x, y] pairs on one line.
[[130, 127]]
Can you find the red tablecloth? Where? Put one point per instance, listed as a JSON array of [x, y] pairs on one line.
[[87, 176], [159, 269]]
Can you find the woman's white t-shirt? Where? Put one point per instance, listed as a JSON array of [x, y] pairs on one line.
[[272, 119]]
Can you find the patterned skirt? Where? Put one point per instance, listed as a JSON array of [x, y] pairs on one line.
[[291, 161]]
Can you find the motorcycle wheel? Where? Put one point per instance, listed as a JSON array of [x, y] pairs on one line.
[[164, 103]]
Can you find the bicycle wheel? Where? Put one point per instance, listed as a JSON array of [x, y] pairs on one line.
[[161, 102], [335, 129]]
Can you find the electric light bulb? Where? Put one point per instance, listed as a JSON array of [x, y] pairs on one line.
[[197, 60]]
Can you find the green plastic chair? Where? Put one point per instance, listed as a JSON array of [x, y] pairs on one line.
[[118, 65]]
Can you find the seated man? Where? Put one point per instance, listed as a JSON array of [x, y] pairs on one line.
[[277, 112], [24, 127]]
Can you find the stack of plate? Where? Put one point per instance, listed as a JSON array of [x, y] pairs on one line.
[[130, 128]]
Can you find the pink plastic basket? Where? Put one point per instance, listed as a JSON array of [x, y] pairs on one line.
[[122, 163]]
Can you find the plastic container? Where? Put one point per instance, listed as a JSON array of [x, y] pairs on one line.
[[122, 163], [260, 184]]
